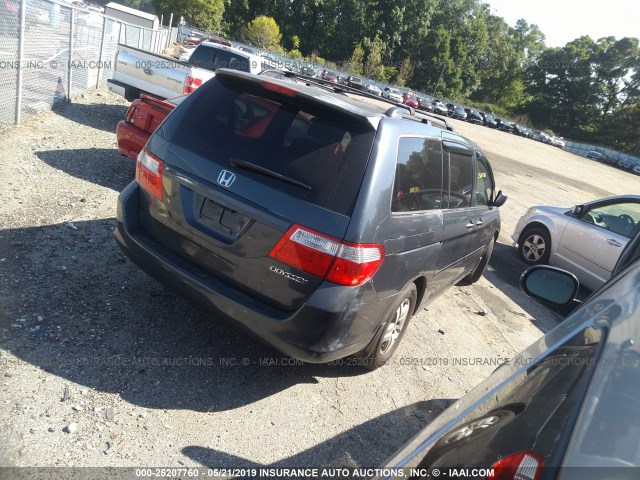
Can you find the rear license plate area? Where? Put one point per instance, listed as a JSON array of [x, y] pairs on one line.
[[221, 218]]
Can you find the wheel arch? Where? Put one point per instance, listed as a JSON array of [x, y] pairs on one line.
[[421, 289], [548, 225]]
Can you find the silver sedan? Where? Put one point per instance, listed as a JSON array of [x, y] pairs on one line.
[[586, 240]]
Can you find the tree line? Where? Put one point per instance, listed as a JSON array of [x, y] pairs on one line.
[[588, 90]]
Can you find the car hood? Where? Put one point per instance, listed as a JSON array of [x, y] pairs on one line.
[[552, 210]]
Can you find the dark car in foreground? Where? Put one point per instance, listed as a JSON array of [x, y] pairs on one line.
[[321, 237], [566, 408]]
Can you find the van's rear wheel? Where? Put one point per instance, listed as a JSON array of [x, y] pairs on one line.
[[393, 329]]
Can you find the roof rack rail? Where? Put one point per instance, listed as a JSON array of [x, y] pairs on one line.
[[395, 111]]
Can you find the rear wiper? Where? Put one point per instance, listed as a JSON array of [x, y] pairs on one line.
[[265, 171]]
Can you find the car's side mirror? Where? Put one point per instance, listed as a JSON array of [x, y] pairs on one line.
[[550, 285], [499, 199], [578, 210]]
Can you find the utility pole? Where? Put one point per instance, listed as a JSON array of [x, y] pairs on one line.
[[435, 89]]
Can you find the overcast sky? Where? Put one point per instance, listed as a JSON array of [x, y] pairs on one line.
[[564, 20]]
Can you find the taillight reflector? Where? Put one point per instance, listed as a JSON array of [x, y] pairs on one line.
[[525, 465], [344, 263], [191, 83], [149, 173]]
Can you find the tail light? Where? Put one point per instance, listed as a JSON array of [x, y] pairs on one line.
[[191, 83], [274, 87], [129, 116], [149, 173], [340, 262], [525, 465]]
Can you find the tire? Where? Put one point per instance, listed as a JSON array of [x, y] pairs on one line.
[[393, 330], [534, 246], [478, 271]]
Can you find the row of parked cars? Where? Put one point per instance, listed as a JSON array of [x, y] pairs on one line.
[[478, 117], [625, 164]]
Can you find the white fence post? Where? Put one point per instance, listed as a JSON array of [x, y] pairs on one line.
[[21, 34], [104, 32], [169, 36], [72, 27]]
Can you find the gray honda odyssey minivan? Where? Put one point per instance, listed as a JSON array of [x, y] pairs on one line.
[[316, 220]]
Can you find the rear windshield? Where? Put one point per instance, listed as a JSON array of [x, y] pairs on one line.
[[212, 58], [239, 124]]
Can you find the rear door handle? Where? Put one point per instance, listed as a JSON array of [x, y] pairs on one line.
[[479, 222], [470, 225], [613, 242]]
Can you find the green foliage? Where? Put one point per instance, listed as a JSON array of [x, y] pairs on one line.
[[263, 32], [144, 5], [622, 130], [588, 90], [373, 67], [295, 42], [356, 62], [203, 14], [389, 75], [405, 72]]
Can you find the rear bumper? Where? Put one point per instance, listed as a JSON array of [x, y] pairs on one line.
[[117, 87], [333, 323]]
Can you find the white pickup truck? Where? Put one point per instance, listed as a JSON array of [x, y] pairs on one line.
[[138, 71]]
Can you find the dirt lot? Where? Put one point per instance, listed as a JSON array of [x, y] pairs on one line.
[[101, 365]]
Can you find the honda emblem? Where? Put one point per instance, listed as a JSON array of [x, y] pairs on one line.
[[226, 178]]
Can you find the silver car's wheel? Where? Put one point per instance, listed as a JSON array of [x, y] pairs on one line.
[[534, 246]]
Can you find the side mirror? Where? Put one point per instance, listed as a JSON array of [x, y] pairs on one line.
[[578, 210], [550, 285], [499, 200]]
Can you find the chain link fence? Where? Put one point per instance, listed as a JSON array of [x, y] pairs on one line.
[[50, 52]]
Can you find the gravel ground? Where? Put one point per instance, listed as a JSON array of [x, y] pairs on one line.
[[101, 365]]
